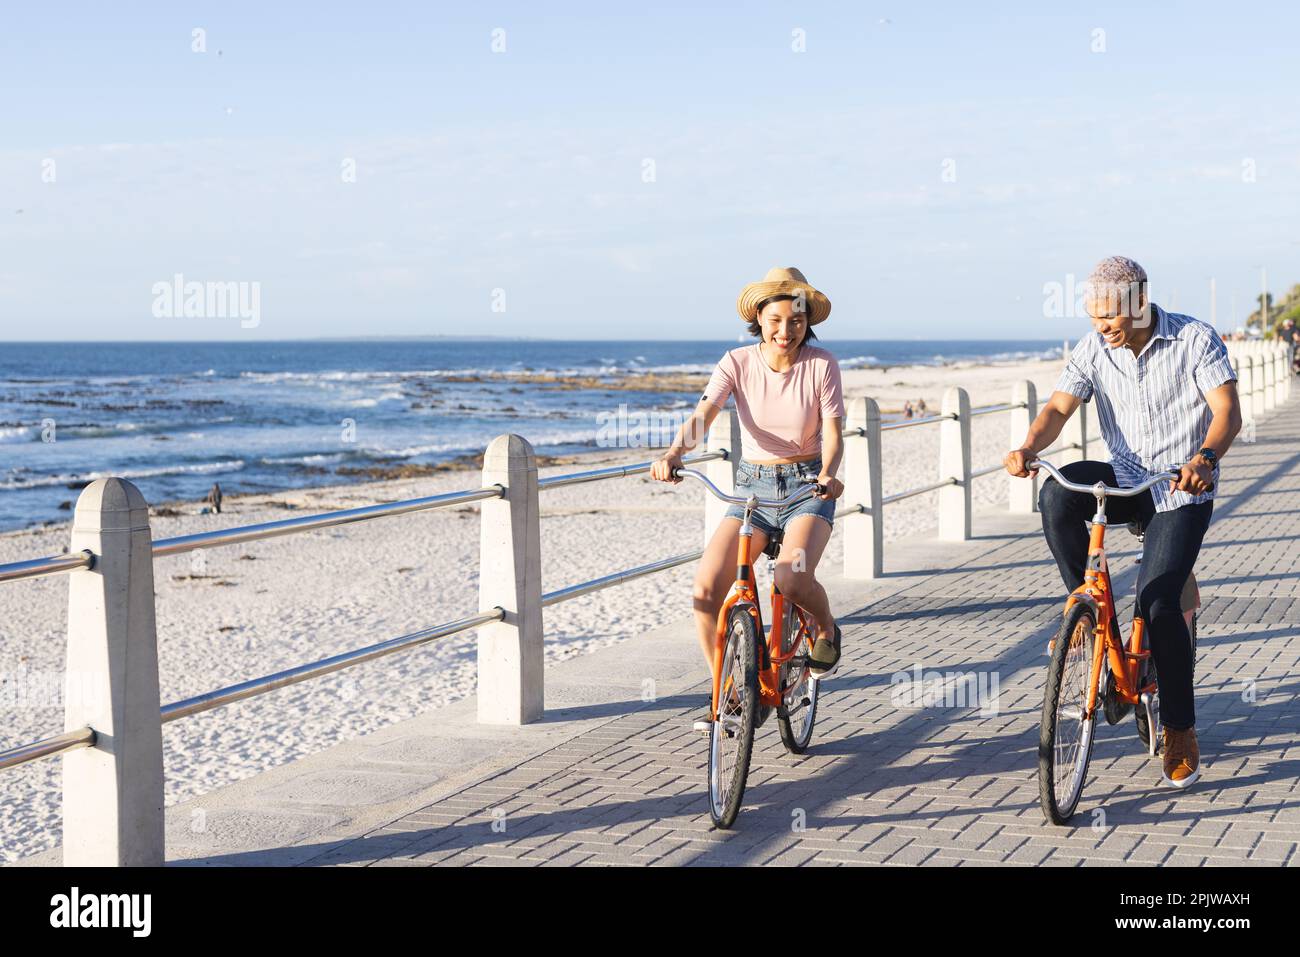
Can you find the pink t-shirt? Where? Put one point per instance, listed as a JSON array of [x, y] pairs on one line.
[[780, 412]]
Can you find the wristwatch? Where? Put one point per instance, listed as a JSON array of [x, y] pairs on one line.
[[1210, 456]]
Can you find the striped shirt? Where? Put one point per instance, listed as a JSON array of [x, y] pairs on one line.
[[1152, 406]]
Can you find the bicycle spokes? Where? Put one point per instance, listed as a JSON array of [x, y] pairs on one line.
[[1065, 734], [799, 691], [732, 734]]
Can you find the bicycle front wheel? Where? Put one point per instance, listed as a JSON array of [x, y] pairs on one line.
[[1064, 736], [798, 711], [731, 737]]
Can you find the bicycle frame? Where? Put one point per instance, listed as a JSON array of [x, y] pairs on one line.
[[1108, 648], [742, 593]]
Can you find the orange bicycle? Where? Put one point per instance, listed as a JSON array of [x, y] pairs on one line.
[[752, 677], [1092, 668]]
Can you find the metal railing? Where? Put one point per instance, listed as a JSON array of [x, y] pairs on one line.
[[1264, 376], [253, 687]]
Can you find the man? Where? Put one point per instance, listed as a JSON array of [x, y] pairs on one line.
[[1290, 334], [1166, 396]]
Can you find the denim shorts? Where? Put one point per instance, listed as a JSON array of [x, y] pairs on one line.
[[776, 482]]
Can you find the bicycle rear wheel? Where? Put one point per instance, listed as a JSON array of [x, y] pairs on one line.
[[798, 711], [1064, 737], [731, 737]]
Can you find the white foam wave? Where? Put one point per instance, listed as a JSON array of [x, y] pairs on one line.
[[46, 481]]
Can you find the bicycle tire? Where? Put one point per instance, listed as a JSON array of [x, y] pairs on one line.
[[796, 736], [1077, 632], [734, 733]]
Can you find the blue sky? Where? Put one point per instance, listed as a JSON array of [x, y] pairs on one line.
[[524, 170]]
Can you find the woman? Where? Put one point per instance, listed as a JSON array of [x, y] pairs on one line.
[[791, 406]]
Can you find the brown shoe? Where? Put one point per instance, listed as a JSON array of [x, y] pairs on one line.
[[1182, 758]]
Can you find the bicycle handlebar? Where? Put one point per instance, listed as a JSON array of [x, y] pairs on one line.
[[1164, 475], [805, 490]]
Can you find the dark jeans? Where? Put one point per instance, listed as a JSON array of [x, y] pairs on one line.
[[1171, 544]]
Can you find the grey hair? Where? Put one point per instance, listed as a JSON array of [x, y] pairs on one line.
[[1118, 279]]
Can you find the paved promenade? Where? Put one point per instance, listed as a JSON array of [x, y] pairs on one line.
[[612, 778]]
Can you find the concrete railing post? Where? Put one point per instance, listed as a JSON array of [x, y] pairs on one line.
[[864, 532], [1245, 385], [1283, 379], [954, 462], [1257, 384], [113, 792], [1075, 436], [1270, 379], [510, 651], [724, 433], [1022, 493]]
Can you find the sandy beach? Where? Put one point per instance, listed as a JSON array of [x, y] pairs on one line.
[[230, 614]]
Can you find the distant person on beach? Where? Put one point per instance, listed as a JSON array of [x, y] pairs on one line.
[[1166, 397], [214, 498], [907, 409], [790, 402], [921, 407]]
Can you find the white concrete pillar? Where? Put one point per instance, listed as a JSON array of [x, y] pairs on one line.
[[510, 655], [113, 792], [1075, 436], [724, 434], [1257, 383], [1280, 374], [954, 461], [864, 532], [1245, 385], [1022, 493], [1270, 379]]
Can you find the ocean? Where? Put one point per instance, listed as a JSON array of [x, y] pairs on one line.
[[258, 417]]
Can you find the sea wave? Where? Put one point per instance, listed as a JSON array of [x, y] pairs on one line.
[[197, 468], [607, 367], [537, 440], [317, 458]]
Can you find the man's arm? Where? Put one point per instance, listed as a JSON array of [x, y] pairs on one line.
[[1198, 475], [1042, 432]]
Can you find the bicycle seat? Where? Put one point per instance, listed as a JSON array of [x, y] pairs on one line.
[[773, 546]]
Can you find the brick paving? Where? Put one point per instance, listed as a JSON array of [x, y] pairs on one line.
[[942, 785]]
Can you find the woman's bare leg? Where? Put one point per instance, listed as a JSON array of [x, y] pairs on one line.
[[801, 549], [714, 577]]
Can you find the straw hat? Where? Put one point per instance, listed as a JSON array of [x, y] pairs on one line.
[[779, 281]]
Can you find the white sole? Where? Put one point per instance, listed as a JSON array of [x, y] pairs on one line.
[[1185, 782], [819, 675]]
